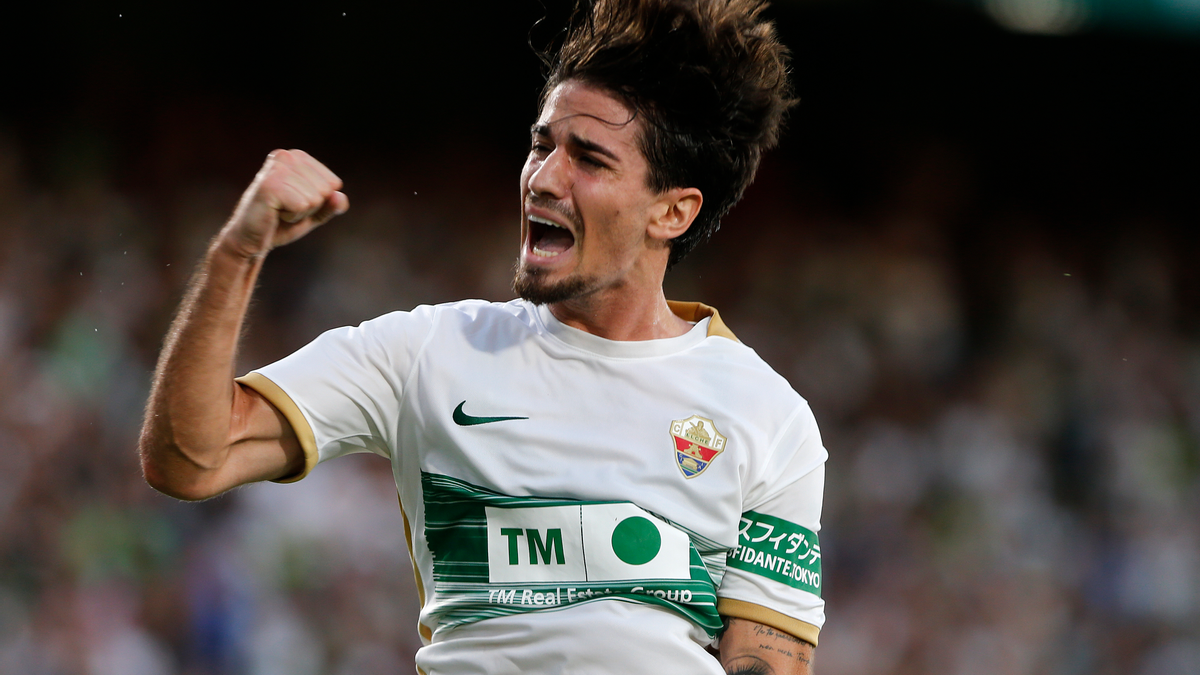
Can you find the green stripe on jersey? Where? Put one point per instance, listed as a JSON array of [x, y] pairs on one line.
[[497, 555], [780, 550]]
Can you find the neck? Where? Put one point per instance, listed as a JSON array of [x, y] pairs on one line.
[[624, 318]]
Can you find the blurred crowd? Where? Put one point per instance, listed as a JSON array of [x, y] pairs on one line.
[[1012, 413]]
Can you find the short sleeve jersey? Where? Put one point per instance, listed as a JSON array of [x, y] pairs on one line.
[[557, 486]]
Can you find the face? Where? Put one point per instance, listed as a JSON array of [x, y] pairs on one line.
[[585, 202]]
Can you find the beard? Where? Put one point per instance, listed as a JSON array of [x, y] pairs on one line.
[[532, 285]]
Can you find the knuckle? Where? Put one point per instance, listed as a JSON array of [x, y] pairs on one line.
[[275, 185]]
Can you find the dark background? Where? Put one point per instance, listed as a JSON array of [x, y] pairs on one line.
[[1097, 123]]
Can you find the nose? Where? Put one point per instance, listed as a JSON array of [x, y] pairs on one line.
[[552, 178]]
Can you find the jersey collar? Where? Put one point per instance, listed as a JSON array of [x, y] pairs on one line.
[[638, 348], [695, 311]]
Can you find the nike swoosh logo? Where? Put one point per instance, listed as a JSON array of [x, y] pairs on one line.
[[462, 419]]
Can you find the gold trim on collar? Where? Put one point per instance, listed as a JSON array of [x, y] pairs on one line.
[[695, 311]]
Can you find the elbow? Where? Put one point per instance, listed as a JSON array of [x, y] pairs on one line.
[[159, 479], [171, 485], [178, 479]]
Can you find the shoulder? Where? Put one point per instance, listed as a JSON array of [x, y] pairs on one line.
[[452, 326], [737, 369], [764, 409], [482, 316], [472, 311], [452, 315]]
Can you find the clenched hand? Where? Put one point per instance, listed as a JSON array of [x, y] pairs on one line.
[[292, 194]]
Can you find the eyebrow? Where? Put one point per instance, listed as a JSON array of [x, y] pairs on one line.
[[576, 140]]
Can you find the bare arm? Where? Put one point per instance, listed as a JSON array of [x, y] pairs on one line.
[[750, 648], [204, 433]]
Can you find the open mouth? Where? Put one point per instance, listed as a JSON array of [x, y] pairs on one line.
[[548, 239]]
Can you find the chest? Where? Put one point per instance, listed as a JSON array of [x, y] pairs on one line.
[[657, 433]]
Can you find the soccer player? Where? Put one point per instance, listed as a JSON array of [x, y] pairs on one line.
[[593, 479]]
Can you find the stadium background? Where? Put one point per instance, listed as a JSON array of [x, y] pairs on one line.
[[975, 254]]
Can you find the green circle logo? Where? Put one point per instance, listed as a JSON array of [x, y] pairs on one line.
[[636, 540]]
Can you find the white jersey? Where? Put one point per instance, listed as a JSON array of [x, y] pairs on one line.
[[573, 504]]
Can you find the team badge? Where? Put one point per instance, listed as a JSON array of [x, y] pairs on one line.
[[697, 444]]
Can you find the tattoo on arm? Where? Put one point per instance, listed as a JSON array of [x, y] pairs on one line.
[[791, 653], [767, 631]]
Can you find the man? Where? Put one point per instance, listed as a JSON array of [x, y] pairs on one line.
[[592, 479]]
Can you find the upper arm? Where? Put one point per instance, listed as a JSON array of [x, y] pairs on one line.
[[264, 443], [770, 593], [261, 445], [751, 648], [774, 574]]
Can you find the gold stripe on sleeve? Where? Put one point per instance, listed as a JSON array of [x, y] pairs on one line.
[[740, 609], [284, 403], [695, 311]]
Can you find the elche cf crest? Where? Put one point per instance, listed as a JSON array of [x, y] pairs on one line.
[[697, 444]]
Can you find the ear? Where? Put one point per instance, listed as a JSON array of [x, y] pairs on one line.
[[674, 212]]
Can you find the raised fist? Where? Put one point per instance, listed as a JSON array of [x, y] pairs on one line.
[[291, 195]]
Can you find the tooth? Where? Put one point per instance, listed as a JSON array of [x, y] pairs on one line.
[[544, 221]]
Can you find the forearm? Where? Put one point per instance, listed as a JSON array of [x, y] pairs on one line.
[[190, 414]]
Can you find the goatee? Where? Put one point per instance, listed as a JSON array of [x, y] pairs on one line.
[[531, 285]]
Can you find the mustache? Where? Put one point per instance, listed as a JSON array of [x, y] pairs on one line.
[[555, 206]]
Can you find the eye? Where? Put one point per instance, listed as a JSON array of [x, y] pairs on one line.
[[591, 161], [539, 149]]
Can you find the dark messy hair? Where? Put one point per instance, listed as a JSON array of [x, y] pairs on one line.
[[708, 78]]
